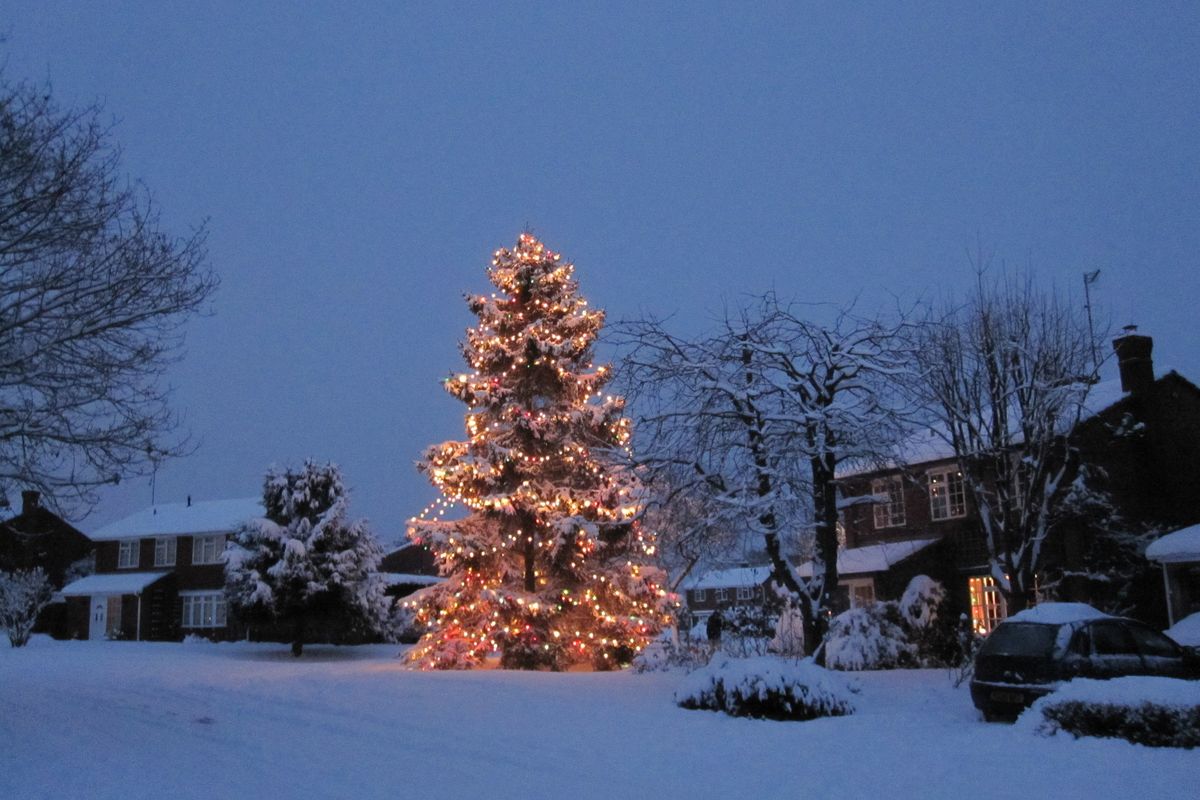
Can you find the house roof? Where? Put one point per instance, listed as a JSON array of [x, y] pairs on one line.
[[872, 558], [183, 519], [1182, 545], [398, 578], [112, 583], [730, 578]]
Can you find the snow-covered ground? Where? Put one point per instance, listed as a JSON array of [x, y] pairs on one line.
[[123, 720]]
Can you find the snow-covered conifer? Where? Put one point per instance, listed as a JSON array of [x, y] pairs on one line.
[[551, 567], [304, 566]]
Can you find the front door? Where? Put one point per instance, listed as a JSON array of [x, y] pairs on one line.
[[99, 624]]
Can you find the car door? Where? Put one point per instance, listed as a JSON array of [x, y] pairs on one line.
[[1114, 651], [1161, 655]]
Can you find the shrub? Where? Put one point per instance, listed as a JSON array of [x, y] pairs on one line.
[[23, 594], [665, 654], [871, 637], [1152, 711], [766, 687]]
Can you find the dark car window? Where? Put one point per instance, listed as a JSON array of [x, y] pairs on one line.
[[1111, 639], [1020, 639], [1081, 643], [1152, 643]]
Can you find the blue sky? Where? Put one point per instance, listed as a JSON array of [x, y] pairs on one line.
[[358, 163]]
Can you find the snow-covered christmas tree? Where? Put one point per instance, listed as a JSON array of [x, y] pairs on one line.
[[551, 567], [305, 568]]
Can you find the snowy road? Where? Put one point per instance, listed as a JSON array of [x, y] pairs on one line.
[[122, 720]]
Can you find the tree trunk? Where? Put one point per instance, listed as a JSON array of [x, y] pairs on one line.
[[298, 638], [825, 506]]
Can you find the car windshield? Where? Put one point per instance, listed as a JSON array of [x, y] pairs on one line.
[[1020, 639]]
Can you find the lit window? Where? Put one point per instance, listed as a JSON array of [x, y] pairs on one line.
[[987, 604], [860, 591], [947, 497], [164, 551], [127, 554], [204, 610], [745, 593], [208, 549], [698, 595], [889, 513]]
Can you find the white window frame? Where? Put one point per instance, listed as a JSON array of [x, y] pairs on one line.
[[165, 551], [720, 595], [698, 595], [988, 608], [201, 546], [204, 610], [851, 584], [947, 494], [745, 593], [889, 514], [129, 553]]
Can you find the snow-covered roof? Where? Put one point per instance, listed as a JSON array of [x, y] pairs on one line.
[[730, 578], [397, 578], [182, 519], [1186, 631], [1182, 545], [872, 558], [1058, 614], [112, 583]]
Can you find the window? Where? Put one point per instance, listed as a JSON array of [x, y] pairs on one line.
[[164, 551], [860, 592], [204, 610], [721, 595], [1153, 644], [208, 549], [947, 498], [1112, 639], [127, 554], [889, 513], [987, 604], [745, 593], [698, 595]]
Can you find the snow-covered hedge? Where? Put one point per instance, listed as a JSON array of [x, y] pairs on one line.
[[871, 637], [766, 687], [665, 654], [1157, 712]]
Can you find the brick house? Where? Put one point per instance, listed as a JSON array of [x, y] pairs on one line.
[[1142, 432], [408, 568], [722, 589], [159, 574], [37, 537]]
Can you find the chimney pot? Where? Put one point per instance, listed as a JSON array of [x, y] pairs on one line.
[[189, 505], [30, 499], [1134, 360]]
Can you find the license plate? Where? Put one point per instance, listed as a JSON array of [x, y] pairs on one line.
[[1008, 697]]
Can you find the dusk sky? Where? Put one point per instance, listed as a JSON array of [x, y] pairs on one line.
[[359, 163]]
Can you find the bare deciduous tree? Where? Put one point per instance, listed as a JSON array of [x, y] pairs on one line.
[[755, 421], [92, 298], [1006, 375]]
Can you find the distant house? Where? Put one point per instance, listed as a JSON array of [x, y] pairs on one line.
[[1179, 555], [37, 537], [159, 574], [408, 568], [721, 589], [1141, 433]]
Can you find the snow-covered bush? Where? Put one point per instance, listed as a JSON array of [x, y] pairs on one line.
[[1187, 631], [766, 687], [921, 601], [23, 595], [747, 631], [1153, 711], [871, 637], [789, 632], [669, 653]]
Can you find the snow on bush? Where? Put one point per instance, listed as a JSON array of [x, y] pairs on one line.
[[23, 595], [1153, 711], [766, 687], [921, 600], [871, 637]]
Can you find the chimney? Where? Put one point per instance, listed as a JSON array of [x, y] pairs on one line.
[[1133, 358], [29, 500], [189, 505]]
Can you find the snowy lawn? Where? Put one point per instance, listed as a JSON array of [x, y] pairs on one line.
[[123, 720]]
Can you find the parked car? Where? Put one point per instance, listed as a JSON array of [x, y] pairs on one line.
[[1031, 653]]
